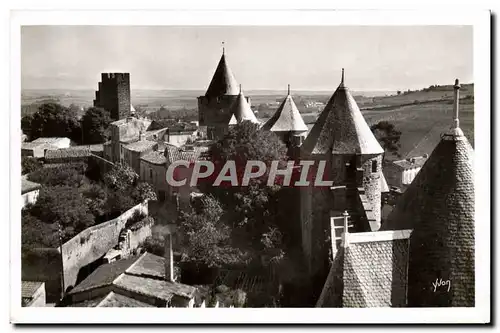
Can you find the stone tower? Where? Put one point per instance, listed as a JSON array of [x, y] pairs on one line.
[[439, 206], [214, 108], [114, 94], [343, 140]]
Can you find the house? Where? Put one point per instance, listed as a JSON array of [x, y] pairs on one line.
[[33, 293], [37, 148], [153, 171], [29, 191], [139, 281], [406, 170], [133, 152], [68, 155]]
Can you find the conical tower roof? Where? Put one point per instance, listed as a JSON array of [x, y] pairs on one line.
[[439, 207], [223, 81], [341, 128], [241, 110], [287, 118]]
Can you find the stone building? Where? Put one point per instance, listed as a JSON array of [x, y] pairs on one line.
[[287, 122], [29, 191], [342, 140], [424, 257], [404, 171], [37, 148], [214, 107], [140, 281], [113, 94]]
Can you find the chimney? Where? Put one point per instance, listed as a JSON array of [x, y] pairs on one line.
[[169, 259]]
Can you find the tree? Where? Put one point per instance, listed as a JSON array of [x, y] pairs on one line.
[[143, 191], [71, 174], [120, 178], [206, 238], [63, 205], [252, 209], [30, 164], [53, 120], [95, 123], [388, 137]]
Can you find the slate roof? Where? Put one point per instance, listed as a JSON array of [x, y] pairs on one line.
[[143, 275], [28, 186], [51, 140], [223, 81], [375, 274], [120, 301], [141, 145], [439, 206], [287, 118], [155, 157], [241, 110], [104, 275], [29, 288], [341, 129]]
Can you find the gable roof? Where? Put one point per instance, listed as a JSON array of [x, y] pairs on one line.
[[241, 110], [223, 81], [29, 288], [287, 118], [341, 128], [28, 185]]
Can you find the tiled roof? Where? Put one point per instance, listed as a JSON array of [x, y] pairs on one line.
[[28, 186], [223, 81], [439, 206], [120, 301], [375, 274], [48, 140], [64, 153], [174, 153], [141, 145], [411, 162], [286, 119], [155, 157], [148, 265], [104, 275], [32, 145], [160, 289], [341, 129], [29, 288], [241, 110]]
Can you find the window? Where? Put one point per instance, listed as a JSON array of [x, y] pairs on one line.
[[374, 166], [161, 195], [150, 173]]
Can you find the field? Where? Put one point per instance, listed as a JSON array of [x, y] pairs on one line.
[[420, 115]]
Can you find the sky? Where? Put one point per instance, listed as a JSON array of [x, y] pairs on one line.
[[306, 57]]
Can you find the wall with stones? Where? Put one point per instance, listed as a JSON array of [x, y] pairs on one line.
[[114, 94], [371, 183]]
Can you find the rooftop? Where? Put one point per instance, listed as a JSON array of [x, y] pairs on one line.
[[287, 118], [155, 157], [28, 186], [141, 145], [223, 81], [29, 288], [241, 110], [341, 128], [72, 152], [411, 162], [190, 153]]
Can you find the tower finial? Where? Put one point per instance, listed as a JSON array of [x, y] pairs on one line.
[[240, 88], [456, 88], [223, 48], [342, 80], [346, 228], [289, 89]]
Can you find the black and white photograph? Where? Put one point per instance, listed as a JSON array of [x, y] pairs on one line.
[[316, 166]]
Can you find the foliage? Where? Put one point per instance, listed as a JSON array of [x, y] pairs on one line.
[[207, 239], [136, 217], [52, 120], [118, 202], [95, 123], [121, 178], [143, 191], [154, 245], [37, 234], [30, 164], [65, 206], [388, 137], [71, 174]]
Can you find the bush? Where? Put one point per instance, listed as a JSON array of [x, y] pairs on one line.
[[30, 164], [71, 174]]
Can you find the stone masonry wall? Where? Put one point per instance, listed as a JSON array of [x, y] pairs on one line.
[[371, 183]]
